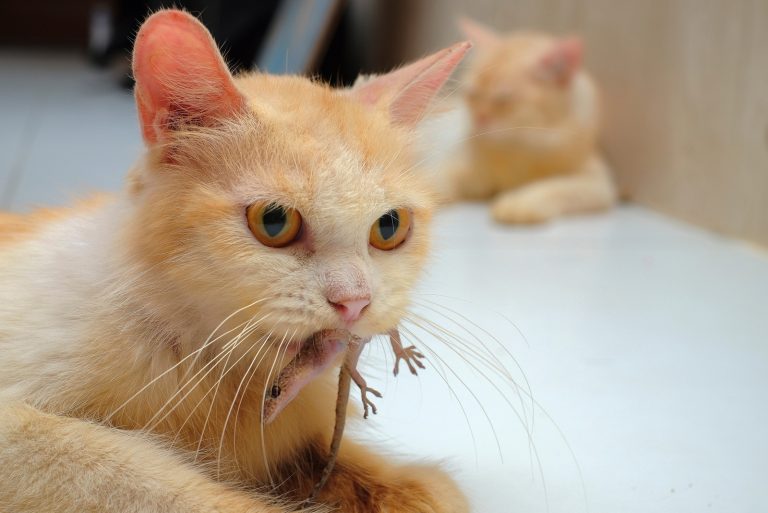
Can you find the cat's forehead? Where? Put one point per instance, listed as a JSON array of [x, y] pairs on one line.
[[315, 148], [509, 60]]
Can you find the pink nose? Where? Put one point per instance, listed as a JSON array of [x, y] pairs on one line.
[[482, 120], [350, 309]]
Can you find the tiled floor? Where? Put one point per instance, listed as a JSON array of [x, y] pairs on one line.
[[65, 130], [642, 341]]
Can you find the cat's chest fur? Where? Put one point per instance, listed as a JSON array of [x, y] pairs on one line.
[[515, 162], [77, 339]]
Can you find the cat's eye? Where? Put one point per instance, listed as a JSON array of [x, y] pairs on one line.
[[391, 229], [273, 225]]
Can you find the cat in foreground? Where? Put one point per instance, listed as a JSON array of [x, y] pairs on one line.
[[141, 334], [532, 147]]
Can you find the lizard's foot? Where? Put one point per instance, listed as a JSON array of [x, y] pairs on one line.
[[367, 402], [364, 389], [411, 356]]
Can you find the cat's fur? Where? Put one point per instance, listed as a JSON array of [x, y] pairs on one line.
[[98, 301], [534, 113]]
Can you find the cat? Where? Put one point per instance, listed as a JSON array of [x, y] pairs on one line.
[[141, 333], [532, 146]]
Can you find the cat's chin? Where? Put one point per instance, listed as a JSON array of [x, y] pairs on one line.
[[312, 357]]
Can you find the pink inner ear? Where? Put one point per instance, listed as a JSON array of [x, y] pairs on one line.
[[410, 89], [562, 61], [180, 75]]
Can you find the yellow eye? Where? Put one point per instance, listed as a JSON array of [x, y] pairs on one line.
[[390, 230], [273, 225]]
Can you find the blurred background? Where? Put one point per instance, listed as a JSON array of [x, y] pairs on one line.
[[639, 336], [684, 82]]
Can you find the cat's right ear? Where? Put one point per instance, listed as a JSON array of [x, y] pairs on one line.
[[560, 63], [180, 76], [408, 91], [479, 34]]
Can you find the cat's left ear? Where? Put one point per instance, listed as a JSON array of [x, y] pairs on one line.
[[408, 91], [561, 61], [180, 75]]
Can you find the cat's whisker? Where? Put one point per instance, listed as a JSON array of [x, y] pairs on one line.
[[197, 352], [489, 357], [267, 382], [247, 331], [175, 366], [468, 389], [535, 405], [211, 366], [194, 408], [224, 427], [483, 349], [532, 445], [242, 397], [425, 296], [255, 363], [529, 391], [440, 369], [520, 417], [467, 350], [265, 339]]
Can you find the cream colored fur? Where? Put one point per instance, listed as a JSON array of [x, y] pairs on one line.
[[534, 115], [139, 335]]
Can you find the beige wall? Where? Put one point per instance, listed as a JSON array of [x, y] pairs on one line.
[[685, 86]]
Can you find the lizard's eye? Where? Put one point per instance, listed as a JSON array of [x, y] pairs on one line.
[[273, 225], [390, 230]]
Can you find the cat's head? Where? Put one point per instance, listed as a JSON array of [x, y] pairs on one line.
[[275, 198], [518, 80]]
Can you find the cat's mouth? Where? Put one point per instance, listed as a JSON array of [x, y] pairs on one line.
[[313, 356]]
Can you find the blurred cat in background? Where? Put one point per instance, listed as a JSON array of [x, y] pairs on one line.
[[534, 116]]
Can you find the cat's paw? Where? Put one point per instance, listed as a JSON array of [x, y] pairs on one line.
[[409, 489], [522, 209], [425, 489]]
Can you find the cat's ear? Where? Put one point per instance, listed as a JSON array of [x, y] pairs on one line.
[[180, 76], [408, 91], [479, 34], [561, 61]]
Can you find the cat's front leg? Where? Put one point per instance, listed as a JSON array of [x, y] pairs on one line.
[[466, 181], [587, 189], [53, 464], [365, 482]]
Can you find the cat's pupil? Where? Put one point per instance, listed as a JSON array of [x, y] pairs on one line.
[[388, 224], [274, 220]]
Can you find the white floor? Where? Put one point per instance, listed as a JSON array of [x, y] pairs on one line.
[[645, 345], [639, 345]]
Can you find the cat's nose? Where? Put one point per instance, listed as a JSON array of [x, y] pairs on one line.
[[351, 309], [482, 119]]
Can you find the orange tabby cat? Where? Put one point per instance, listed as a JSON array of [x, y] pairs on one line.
[[140, 335], [533, 144]]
